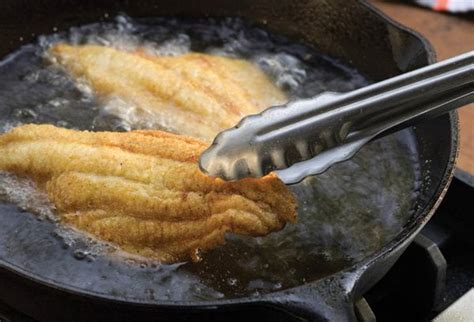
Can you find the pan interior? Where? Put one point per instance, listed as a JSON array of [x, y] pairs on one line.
[[345, 214]]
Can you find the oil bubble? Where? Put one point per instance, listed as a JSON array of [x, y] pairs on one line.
[[232, 281], [79, 254]]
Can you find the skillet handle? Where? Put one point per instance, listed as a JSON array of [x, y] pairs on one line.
[[329, 299]]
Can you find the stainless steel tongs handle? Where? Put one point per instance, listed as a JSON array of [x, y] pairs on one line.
[[306, 137]]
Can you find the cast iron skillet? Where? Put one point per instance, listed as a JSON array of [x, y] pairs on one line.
[[349, 30]]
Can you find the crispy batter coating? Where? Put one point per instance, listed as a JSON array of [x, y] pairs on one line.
[[143, 190], [194, 94]]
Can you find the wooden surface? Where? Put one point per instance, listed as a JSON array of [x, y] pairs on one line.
[[450, 35]]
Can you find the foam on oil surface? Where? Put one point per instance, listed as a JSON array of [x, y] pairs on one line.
[[347, 213]]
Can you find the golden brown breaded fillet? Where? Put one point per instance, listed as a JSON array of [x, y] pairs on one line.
[[143, 190], [193, 94]]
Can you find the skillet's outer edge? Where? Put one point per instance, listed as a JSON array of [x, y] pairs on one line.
[[402, 241]]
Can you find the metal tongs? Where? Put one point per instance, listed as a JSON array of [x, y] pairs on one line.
[[306, 137]]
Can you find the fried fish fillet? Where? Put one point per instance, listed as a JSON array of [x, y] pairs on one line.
[[142, 190], [194, 94]]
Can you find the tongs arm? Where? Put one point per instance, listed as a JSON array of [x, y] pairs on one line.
[[306, 137]]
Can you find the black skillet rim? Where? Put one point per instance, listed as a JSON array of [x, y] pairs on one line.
[[411, 228]]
